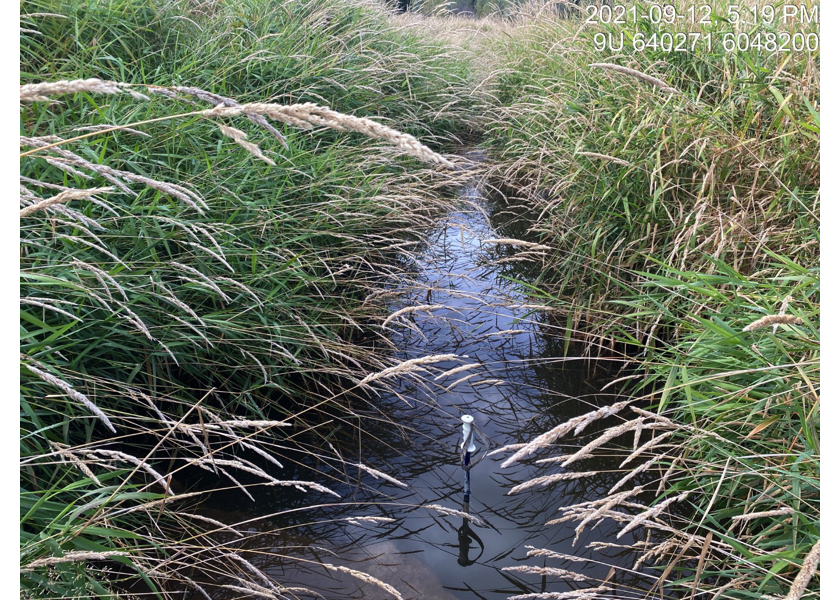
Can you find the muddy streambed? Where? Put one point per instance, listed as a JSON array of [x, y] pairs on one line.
[[518, 387]]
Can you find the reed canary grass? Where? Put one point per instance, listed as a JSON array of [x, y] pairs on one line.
[[308, 115], [61, 198], [638, 75], [768, 320]]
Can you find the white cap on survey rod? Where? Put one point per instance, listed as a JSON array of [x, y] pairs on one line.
[[469, 437]]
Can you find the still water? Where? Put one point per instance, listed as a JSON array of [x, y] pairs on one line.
[[519, 386]]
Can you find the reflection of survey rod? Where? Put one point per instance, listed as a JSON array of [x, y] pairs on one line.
[[465, 534]]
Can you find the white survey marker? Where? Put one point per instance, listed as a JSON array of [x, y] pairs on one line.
[[467, 429]]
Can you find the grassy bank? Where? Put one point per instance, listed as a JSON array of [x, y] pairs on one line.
[[191, 297], [680, 191]]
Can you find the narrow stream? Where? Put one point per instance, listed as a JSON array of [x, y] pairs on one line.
[[518, 387]]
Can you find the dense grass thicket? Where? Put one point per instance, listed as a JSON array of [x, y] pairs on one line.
[[479, 8], [198, 315], [199, 290], [684, 210]]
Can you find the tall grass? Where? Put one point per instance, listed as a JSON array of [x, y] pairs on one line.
[[189, 309], [196, 267], [681, 193]]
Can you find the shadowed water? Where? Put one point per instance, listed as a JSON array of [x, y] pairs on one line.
[[518, 387]]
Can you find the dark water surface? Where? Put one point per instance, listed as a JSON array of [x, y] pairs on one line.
[[519, 388]]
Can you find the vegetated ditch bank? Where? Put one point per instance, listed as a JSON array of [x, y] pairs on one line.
[[185, 303], [688, 231], [680, 194]]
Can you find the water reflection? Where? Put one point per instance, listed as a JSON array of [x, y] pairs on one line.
[[510, 378]]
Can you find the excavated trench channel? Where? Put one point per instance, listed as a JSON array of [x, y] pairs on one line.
[[520, 385]]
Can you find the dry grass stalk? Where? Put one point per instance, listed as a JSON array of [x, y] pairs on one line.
[[767, 513], [577, 424], [218, 524], [102, 276], [547, 479], [232, 479], [408, 366], [507, 448], [412, 309], [303, 591], [43, 14], [199, 589], [809, 567], [248, 468], [111, 127], [41, 91], [72, 557], [366, 578], [44, 303], [542, 307], [515, 242], [122, 456], [666, 422], [249, 592], [375, 520], [584, 508], [605, 508], [241, 138], [488, 382], [209, 282], [457, 370], [64, 451], [308, 114], [775, 320], [239, 285], [301, 485], [651, 513], [638, 75], [217, 100], [68, 389], [172, 298], [609, 434], [652, 415], [380, 475], [61, 198], [454, 513], [680, 538], [657, 551], [261, 452], [68, 161], [653, 443], [532, 551], [587, 594], [501, 333], [617, 161], [153, 504], [608, 546], [549, 571], [640, 469], [85, 242], [457, 382], [262, 576], [247, 423], [580, 423]]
